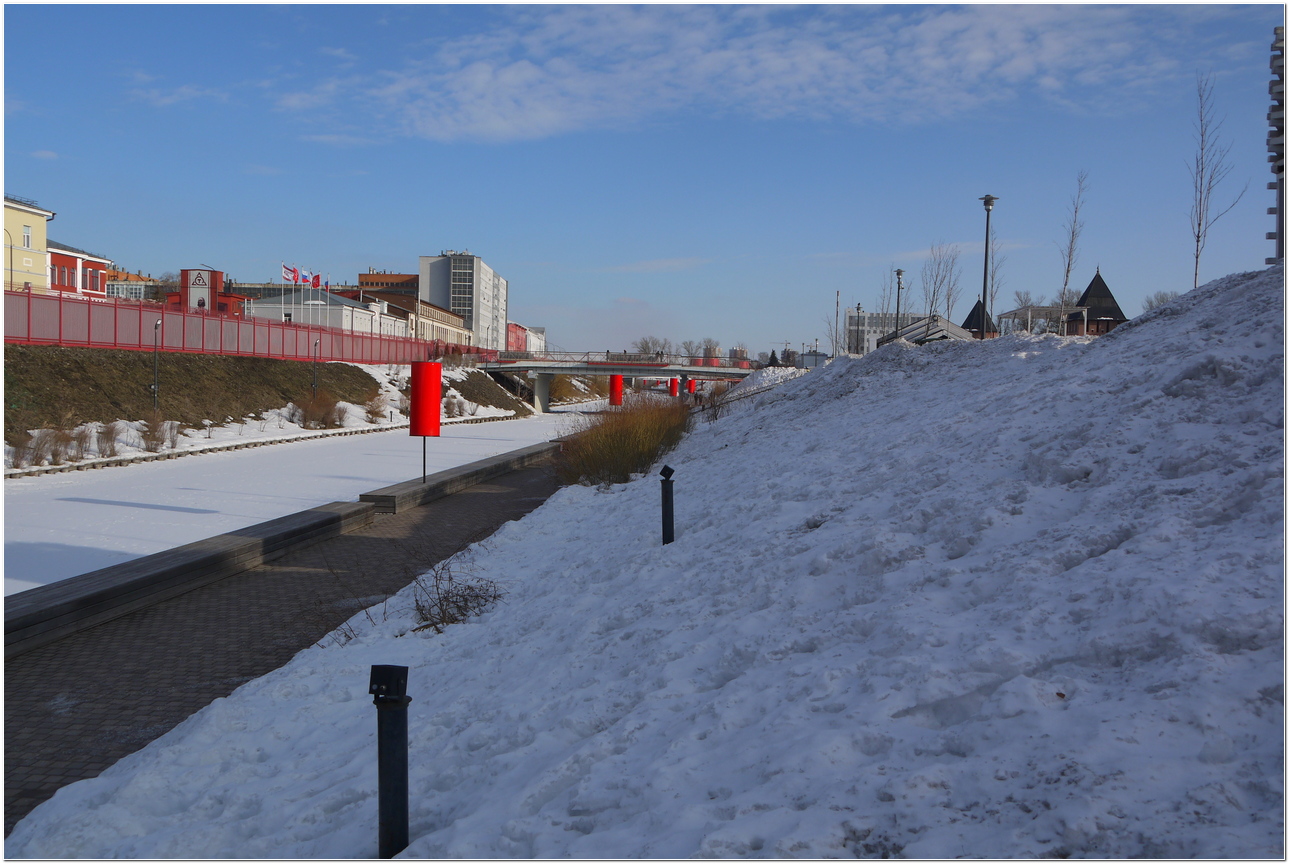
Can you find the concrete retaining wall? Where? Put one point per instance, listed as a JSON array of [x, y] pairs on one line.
[[47, 613]]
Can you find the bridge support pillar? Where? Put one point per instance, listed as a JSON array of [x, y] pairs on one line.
[[542, 391]]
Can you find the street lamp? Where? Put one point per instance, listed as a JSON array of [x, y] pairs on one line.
[[899, 286], [984, 290], [9, 284], [156, 330]]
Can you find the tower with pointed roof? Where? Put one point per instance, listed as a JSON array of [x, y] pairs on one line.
[[973, 325], [1099, 312]]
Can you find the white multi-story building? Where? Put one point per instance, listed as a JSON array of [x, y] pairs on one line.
[[463, 284], [863, 329]]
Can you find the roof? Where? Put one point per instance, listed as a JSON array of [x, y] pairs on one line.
[[1099, 302], [27, 204], [931, 328], [63, 247], [127, 276], [977, 313], [308, 296]]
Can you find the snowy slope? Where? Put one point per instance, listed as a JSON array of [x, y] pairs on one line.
[[1013, 599]]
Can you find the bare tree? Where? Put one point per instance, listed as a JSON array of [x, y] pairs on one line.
[[1208, 169], [689, 348], [1070, 251], [835, 333], [886, 299], [940, 277], [651, 345], [710, 347], [1159, 298], [996, 262]]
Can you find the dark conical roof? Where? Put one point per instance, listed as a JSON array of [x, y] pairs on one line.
[[974, 318], [1100, 302]]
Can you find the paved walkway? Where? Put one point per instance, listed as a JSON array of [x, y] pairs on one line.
[[78, 705]]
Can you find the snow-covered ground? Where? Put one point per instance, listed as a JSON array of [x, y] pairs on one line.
[[1013, 599], [61, 525]]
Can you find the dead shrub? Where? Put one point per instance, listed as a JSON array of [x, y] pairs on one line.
[[172, 430], [611, 446], [82, 437], [716, 402], [449, 406], [152, 433], [374, 408], [107, 435], [316, 412], [449, 594], [20, 449], [42, 447]]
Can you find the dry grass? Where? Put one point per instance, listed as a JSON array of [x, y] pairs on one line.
[[108, 434], [610, 447], [317, 412], [152, 432]]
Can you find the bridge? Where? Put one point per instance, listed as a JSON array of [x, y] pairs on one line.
[[542, 368]]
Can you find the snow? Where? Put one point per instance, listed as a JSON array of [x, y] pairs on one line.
[[1020, 598], [63, 525]]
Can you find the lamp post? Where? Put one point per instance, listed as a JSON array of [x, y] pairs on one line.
[[899, 286], [984, 290], [9, 284], [156, 380]]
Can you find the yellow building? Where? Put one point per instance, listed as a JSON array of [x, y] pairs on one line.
[[26, 254]]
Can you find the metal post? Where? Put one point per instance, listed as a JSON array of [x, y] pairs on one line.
[[668, 506], [388, 688], [315, 369], [156, 379], [984, 290], [899, 287]]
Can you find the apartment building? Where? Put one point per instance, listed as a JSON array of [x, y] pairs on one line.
[[25, 244], [863, 329], [464, 285]]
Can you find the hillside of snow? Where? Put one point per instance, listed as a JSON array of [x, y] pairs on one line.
[[1020, 598]]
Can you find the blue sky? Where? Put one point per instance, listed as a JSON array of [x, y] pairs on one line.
[[684, 172]]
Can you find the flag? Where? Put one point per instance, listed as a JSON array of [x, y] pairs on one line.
[[317, 281], [326, 286], [286, 273], [304, 277], [295, 276]]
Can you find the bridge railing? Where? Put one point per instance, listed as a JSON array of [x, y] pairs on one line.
[[592, 358]]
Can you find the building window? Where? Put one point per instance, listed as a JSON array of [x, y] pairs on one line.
[[26, 236]]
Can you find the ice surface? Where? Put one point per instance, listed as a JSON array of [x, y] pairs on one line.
[[1013, 599]]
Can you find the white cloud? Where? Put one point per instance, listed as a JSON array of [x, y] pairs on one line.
[[45, 154], [164, 98], [576, 67], [554, 69]]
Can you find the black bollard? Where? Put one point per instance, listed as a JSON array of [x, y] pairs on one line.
[[389, 694], [668, 507]]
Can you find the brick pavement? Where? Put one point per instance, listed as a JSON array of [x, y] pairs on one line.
[[74, 707]]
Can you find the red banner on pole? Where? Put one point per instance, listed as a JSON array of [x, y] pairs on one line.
[[427, 394], [674, 387], [615, 389]]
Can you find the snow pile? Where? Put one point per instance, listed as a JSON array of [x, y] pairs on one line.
[[1013, 599], [767, 376]]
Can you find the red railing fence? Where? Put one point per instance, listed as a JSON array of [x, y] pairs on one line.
[[131, 325]]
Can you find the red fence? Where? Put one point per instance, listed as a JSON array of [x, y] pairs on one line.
[[55, 319]]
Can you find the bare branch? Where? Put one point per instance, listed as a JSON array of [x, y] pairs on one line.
[[1208, 168], [1070, 251]]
